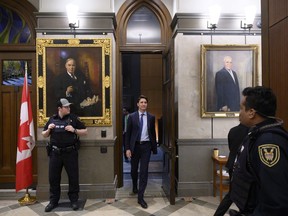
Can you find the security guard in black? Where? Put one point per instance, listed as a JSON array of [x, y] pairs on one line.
[[260, 177], [63, 129]]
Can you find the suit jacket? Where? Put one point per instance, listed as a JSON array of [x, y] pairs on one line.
[[133, 129], [236, 136], [81, 87], [228, 93], [81, 90]]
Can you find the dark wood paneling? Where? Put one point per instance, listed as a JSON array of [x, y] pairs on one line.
[[265, 42], [8, 151], [151, 83], [278, 50], [275, 51], [277, 11], [10, 100]]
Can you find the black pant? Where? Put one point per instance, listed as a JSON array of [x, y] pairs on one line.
[[141, 153], [226, 201], [70, 162], [224, 205]]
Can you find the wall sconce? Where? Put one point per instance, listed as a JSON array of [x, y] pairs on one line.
[[249, 18], [72, 13], [214, 14]]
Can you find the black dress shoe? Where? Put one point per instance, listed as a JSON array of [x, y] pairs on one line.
[[75, 206], [50, 206], [135, 190], [143, 204], [233, 212]]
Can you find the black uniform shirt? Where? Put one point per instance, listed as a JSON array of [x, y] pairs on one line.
[[269, 159], [59, 136]]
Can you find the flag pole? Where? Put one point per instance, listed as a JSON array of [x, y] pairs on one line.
[[27, 199], [25, 145]]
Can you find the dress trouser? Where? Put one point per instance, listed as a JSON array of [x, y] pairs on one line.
[[70, 162], [224, 205], [226, 201], [141, 153]]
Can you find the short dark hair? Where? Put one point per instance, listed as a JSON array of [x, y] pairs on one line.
[[58, 104], [262, 99], [142, 96]]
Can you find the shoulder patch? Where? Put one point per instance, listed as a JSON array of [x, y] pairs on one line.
[[269, 154]]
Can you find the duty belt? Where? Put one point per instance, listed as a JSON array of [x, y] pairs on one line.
[[64, 149]]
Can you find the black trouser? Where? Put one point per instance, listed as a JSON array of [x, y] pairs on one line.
[[224, 205], [226, 201], [141, 153], [70, 162]]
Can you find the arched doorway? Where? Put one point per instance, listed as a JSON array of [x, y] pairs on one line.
[[17, 55], [145, 59]]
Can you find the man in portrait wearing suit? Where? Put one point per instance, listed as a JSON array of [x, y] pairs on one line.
[[140, 141], [227, 88], [75, 87]]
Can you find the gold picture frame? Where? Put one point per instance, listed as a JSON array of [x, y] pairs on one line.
[[217, 89], [93, 64]]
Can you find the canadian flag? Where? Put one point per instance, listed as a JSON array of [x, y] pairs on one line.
[[26, 141]]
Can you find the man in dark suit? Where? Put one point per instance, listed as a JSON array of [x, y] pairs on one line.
[[236, 136], [227, 88], [140, 141], [74, 86]]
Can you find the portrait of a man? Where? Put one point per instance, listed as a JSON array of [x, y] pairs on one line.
[[78, 70], [75, 74], [227, 88], [225, 71]]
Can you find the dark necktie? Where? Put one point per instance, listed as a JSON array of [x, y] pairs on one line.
[[231, 73], [73, 76], [141, 126]]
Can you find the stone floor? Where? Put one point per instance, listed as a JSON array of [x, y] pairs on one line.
[[125, 203]]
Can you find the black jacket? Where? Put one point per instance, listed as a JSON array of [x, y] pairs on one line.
[[236, 136], [263, 163]]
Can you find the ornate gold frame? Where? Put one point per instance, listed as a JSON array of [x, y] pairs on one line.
[[98, 54], [245, 64]]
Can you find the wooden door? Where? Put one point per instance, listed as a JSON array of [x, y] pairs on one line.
[[169, 131], [12, 73], [151, 83]]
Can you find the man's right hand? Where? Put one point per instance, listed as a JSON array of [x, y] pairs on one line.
[[51, 126], [224, 109], [69, 90], [128, 154]]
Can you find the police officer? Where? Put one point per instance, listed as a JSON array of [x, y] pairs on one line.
[[259, 182], [63, 129]]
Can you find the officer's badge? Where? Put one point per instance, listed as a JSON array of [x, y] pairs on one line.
[[269, 154]]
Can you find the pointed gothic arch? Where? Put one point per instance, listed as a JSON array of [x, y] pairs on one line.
[[157, 8]]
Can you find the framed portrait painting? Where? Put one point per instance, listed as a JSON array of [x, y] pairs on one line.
[[225, 71], [78, 70]]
